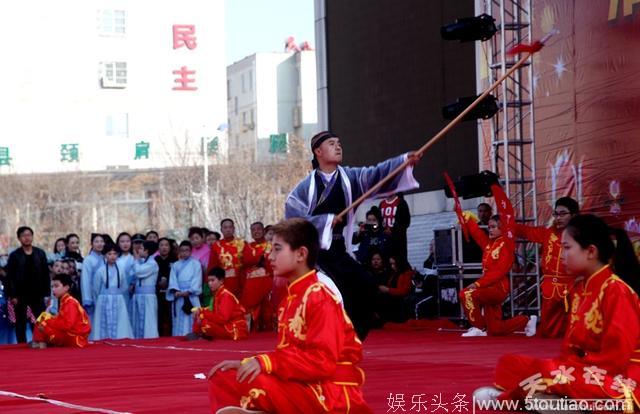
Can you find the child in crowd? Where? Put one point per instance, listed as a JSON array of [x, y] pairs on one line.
[[111, 318], [145, 303], [70, 267], [125, 264], [165, 258], [90, 265], [59, 249], [57, 267], [185, 285]]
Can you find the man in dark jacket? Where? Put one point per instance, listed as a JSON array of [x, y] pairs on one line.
[[28, 280]]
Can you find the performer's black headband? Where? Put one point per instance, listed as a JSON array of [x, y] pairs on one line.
[[321, 137]]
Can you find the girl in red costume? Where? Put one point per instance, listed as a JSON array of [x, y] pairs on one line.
[[482, 300]]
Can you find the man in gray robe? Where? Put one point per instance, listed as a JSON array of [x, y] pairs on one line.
[[327, 191]]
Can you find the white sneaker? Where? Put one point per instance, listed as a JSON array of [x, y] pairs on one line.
[[486, 394], [530, 328], [237, 410], [473, 331]]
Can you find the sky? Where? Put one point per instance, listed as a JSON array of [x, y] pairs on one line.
[[263, 25]]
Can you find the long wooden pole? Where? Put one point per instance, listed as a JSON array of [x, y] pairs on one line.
[[435, 139]]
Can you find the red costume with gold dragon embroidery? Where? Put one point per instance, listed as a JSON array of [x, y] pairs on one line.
[[314, 366]]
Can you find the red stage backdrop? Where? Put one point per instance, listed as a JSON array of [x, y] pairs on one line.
[[587, 108]]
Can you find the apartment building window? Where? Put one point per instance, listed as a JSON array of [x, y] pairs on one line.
[[244, 118], [235, 105], [228, 88], [114, 74], [117, 125], [250, 79], [111, 22]]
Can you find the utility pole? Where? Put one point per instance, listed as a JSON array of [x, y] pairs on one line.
[[205, 189]]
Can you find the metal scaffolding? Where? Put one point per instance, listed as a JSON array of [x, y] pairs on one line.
[[512, 141]]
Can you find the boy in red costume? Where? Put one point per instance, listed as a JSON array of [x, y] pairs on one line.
[[314, 366], [69, 327], [225, 319]]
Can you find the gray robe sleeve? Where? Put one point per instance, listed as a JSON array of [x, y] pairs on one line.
[[297, 205], [364, 178]]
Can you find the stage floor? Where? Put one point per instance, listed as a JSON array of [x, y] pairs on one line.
[[157, 376]]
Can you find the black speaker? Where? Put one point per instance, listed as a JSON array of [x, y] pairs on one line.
[[452, 250], [485, 109], [473, 186], [445, 246]]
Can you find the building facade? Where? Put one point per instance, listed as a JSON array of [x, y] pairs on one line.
[[111, 84], [270, 97]]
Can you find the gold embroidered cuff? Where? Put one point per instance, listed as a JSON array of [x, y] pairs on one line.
[[265, 363]]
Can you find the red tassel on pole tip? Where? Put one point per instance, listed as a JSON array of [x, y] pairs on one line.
[[525, 48], [534, 47]]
